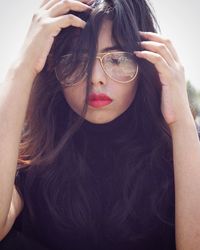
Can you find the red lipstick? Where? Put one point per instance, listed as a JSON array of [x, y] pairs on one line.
[[99, 100]]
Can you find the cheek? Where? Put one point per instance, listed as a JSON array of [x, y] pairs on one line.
[[125, 96], [75, 97]]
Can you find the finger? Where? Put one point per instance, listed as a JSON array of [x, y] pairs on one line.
[[86, 1], [69, 20], [159, 62], [50, 4], [61, 7], [158, 38], [161, 49], [43, 3]]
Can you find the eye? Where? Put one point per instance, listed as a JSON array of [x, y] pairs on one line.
[[118, 59], [115, 60]]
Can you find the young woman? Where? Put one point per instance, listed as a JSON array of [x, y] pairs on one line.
[[95, 115]]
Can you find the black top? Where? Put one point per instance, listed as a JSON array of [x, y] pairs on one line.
[[100, 137]]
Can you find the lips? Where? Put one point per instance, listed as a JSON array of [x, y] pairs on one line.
[[99, 100], [99, 97]]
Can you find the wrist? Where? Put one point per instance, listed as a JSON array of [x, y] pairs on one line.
[[21, 69], [184, 121]]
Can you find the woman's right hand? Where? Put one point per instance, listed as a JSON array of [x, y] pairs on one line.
[[47, 22]]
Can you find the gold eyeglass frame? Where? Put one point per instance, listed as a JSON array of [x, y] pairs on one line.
[[101, 56]]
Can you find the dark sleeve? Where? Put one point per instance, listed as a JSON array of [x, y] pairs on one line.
[[18, 241]]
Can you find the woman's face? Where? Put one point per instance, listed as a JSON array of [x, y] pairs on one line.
[[121, 94]]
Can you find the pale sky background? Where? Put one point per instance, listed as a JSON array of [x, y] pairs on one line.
[[179, 20]]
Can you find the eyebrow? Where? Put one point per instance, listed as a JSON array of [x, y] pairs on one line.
[[107, 49]]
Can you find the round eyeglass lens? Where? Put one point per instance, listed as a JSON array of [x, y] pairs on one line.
[[65, 72], [120, 66]]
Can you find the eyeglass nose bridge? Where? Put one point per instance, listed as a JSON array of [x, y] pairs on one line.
[[100, 56]]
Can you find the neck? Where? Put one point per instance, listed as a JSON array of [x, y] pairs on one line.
[[117, 125]]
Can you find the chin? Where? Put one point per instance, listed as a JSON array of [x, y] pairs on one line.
[[97, 121], [100, 118]]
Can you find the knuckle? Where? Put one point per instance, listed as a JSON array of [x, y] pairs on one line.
[[41, 19], [70, 17], [158, 59], [38, 17], [162, 47], [65, 5], [35, 16], [65, 2], [167, 41]]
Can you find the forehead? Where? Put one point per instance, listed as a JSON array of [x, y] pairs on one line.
[[105, 38]]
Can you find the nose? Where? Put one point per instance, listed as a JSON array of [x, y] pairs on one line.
[[98, 75]]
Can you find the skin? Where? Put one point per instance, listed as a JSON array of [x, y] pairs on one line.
[[121, 94]]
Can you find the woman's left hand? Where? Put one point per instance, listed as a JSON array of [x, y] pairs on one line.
[[174, 101]]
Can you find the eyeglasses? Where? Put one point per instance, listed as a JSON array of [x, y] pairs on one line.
[[119, 66]]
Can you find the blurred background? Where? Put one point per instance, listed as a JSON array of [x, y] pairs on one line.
[[179, 20]]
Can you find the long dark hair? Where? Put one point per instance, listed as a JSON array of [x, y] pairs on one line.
[[57, 171]]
